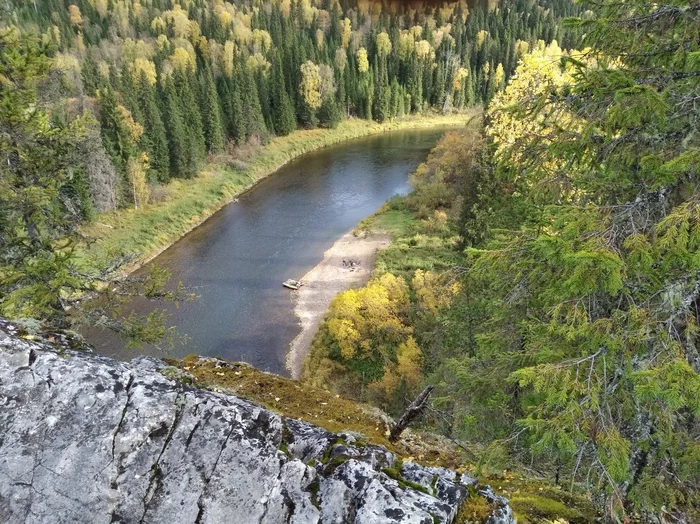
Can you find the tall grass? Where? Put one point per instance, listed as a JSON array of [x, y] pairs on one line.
[[184, 204]]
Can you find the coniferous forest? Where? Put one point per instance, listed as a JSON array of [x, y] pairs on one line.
[[171, 82]]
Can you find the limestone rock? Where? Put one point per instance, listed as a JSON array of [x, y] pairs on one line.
[[87, 439]]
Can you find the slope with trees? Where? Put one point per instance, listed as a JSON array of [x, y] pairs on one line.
[[561, 328]]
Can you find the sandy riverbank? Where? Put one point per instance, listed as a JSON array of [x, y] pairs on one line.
[[326, 280]]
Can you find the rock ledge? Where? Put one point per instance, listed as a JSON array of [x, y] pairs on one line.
[[88, 439]]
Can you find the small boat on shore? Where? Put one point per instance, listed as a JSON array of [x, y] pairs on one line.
[[292, 284]]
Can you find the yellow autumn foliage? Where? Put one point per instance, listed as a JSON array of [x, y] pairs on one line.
[[434, 291], [136, 170], [538, 74], [135, 129], [178, 21], [74, 15], [423, 49], [142, 66], [383, 44], [183, 59], [460, 75], [362, 61], [370, 321], [229, 51], [310, 86], [345, 32], [406, 370]]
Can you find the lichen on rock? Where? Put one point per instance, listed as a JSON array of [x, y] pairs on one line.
[[84, 438]]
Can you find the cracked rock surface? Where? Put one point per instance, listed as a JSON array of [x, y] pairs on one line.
[[86, 439]]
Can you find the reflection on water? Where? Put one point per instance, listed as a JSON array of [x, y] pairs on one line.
[[238, 258]]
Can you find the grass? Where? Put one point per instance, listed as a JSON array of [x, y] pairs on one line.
[[186, 203], [413, 245]]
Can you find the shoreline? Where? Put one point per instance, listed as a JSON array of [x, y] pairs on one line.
[[324, 282], [160, 225]]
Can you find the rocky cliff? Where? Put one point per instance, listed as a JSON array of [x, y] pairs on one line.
[[88, 439]]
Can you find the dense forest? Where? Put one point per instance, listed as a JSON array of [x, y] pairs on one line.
[[171, 82], [544, 273]]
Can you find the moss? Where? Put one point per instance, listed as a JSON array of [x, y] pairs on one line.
[[475, 509], [287, 397], [532, 508], [177, 375], [333, 464], [326, 458], [395, 474], [534, 501]]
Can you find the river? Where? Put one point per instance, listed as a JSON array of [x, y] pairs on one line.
[[236, 261]]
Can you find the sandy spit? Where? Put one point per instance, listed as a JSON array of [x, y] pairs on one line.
[[326, 280]]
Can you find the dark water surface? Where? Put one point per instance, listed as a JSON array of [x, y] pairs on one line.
[[237, 260]]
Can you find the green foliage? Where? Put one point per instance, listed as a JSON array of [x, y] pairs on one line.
[[284, 120], [154, 140], [381, 65], [211, 114], [329, 113], [581, 306], [43, 200]]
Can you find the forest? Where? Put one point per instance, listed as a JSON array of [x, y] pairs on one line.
[[170, 83], [543, 274]]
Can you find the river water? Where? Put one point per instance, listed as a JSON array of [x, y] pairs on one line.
[[237, 260]]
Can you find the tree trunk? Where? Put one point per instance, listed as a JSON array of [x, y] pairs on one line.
[[415, 409]]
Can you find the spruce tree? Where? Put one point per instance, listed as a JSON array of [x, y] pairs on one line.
[[381, 109], [329, 114], [284, 119], [154, 140], [90, 74], [226, 104], [181, 163], [211, 113], [239, 125], [191, 114], [254, 120]]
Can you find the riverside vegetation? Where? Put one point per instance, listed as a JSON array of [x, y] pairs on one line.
[[544, 272]]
